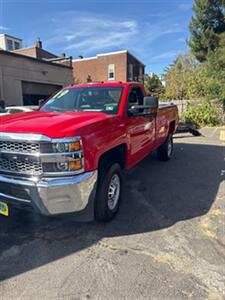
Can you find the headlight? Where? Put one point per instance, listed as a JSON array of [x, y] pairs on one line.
[[67, 147], [66, 157], [71, 166], [60, 147], [63, 166]]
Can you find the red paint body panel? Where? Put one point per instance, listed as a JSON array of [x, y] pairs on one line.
[[100, 132]]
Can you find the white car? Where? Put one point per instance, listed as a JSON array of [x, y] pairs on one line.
[[18, 109]]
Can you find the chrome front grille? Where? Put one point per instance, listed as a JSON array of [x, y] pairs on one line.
[[35, 155], [19, 147], [21, 167], [15, 164]]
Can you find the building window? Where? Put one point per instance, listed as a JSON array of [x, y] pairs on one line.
[[16, 45], [141, 73], [130, 72], [111, 72], [9, 45]]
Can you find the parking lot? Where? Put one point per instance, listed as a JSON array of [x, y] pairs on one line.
[[167, 242]]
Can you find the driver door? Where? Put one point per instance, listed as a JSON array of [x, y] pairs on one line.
[[141, 129]]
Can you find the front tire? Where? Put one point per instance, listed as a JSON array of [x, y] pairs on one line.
[[109, 191], [165, 151]]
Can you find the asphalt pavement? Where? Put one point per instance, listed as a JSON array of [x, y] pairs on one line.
[[167, 242]]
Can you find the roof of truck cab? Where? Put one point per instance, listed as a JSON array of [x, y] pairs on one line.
[[104, 84]]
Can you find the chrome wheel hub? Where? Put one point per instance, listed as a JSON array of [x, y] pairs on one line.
[[113, 192]]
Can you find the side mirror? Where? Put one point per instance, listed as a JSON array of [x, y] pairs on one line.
[[134, 110], [41, 102], [151, 102], [149, 108]]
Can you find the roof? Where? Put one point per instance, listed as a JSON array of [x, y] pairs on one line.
[[104, 84], [108, 54], [39, 51], [10, 36], [33, 59]]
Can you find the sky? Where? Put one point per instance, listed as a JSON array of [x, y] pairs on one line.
[[155, 31]]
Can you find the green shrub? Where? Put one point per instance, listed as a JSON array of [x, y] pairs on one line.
[[201, 113]]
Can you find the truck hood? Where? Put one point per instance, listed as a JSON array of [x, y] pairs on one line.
[[51, 124]]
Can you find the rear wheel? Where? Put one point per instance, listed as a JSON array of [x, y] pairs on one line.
[[109, 191], [165, 151]]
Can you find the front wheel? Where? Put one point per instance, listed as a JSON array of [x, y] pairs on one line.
[[109, 191], [165, 151]]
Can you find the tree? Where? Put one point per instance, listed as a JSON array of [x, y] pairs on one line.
[[180, 77], [217, 58], [206, 27], [153, 85]]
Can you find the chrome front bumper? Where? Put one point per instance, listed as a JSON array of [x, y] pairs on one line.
[[50, 196]]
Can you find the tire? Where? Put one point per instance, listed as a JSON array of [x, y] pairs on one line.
[[165, 151], [109, 191]]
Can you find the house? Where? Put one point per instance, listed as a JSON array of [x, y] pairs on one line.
[[9, 43], [112, 66], [38, 52], [30, 74]]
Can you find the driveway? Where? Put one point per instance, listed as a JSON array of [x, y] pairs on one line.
[[167, 242]]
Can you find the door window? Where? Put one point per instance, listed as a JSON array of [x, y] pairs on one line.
[[136, 97]]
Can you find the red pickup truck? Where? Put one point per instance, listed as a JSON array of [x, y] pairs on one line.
[[69, 156]]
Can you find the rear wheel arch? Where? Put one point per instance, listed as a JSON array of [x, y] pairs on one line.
[[165, 151], [172, 127]]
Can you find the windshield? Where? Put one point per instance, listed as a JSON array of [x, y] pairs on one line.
[[96, 99]]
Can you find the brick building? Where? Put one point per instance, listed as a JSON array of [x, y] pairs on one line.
[[113, 66], [38, 52]]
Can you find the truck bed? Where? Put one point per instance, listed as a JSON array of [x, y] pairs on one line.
[[163, 105]]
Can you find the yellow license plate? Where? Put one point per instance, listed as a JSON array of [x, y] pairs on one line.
[[4, 209]]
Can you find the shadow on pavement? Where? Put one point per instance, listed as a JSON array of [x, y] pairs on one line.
[[157, 195]]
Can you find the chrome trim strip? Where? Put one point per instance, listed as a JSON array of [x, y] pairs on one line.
[[46, 157], [10, 173], [53, 182], [60, 157], [34, 154], [21, 181], [50, 174], [66, 139], [13, 198], [10, 136], [33, 181], [66, 173], [30, 137]]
